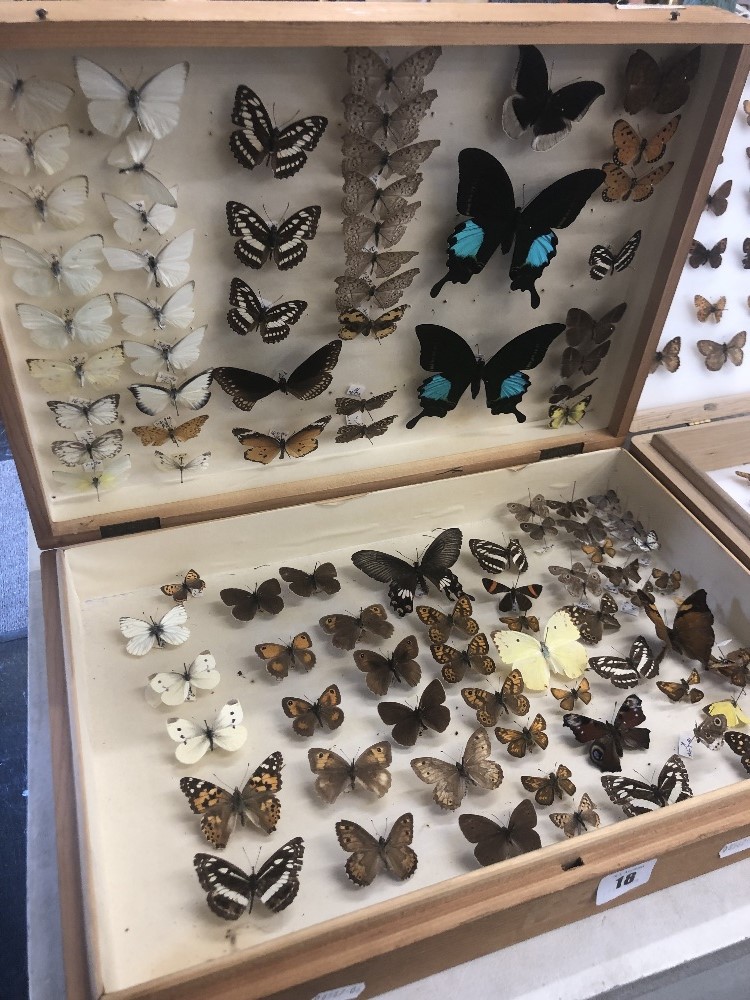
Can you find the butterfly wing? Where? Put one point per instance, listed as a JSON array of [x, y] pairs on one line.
[[504, 381], [333, 773], [692, 633], [364, 862], [230, 891], [313, 376]]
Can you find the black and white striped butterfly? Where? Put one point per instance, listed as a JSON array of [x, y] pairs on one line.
[[603, 261], [192, 394], [231, 891], [494, 558], [637, 797], [285, 244], [251, 313], [627, 671], [256, 139]]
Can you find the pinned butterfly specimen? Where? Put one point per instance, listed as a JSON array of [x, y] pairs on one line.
[[100, 479], [347, 630], [257, 140], [381, 670], [181, 462], [353, 322], [512, 597], [174, 687], [631, 148], [35, 103], [638, 797], [489, 704], [683, 690], [334, 772], [597, 551], [387, 231], [48, 152], [191, 586], [98, 369], [667, 582], [457, 661], [401, 125], [564, 391], [280, 657], [521, 623], [579, 821], [132, 219], [731, 711], [621, 186], [738, 743], [255, 804], [453, 780], [381, 264], [704, 309], [352, 292], [711, 731], [347, 405], [113, 105], [285, 243], [588, 343], [150, 359], [534, 106], [169, 630], [457, 368], [192, 394], [94, 450], [569, 696], [363, 195], [87, 324], [700, 255], [250, 313], [555, 785], [167, 267], [619, 576], [163, 430], [409, 723], [370, 856], [40, 274], [538, 531], [366, 156], [194, 740], [495, 558], [718, 202], [574, 508], [485, 196], [746, 252], [609, 740], [440, 625], [691, 634], [716, 355], [354, 432], [668, 356], [79, 414], [578, 580], [308, 380], [322, 580], [518, 741], [130, 159], [61, 206], [306, 716], [536, 507], [562, 414], [404, 579], [149, 317], [735, 666], [264, 448], [627, 671], [664, 89], [245, 604], [372, 75], [603, 261], [231, 891], [497, 843]]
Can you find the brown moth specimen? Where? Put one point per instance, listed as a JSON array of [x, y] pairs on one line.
[[370, 856], [334, 772], [322, 580], [163, 430], [668, 357], [245, 604], [452, 780]]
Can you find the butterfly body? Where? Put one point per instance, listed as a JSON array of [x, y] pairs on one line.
[[560, 650], [369, 856], [169, 630], [257, 140], [114, 104], [610, 739], [322, 580], [353, 322], [335, 773], [177, 686], [683, 690], [626, 672], [457, 661], [603, 261], [279, 657], [639, 797], [231, 891], [163, 430], [92, 452], [739, 744], [663, 88], [193, 394], [495, 558], [512, 597], [79, 414]]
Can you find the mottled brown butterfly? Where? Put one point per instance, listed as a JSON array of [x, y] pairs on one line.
[[191, 586], [554, 785], [334, 772], [579, 821], [347, 630], [370, 856], [683, 690], [489, 704], [441, 625], [569, 696], [518, 742], [324, 712], [457, 661]]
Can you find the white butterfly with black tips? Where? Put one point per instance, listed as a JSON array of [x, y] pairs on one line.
[[231, 891], [78, 414], [168, 267], [89, 451], [638, 797], [142, 636], [174, 687], [257, 139], [196, 739], [283, 243], [603, 261], [192, 394]]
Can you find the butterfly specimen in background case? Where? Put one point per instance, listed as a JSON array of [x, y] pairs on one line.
[[668, 356], [352, 292], [321, 580], [181, 462], [378, 263], [735, 666], [264, 448], [334, 772], [603, 261], [163, 430], [149, 360], [577, 822], [35, 103], [231, 891], [452, 780], [191, 586], [495, 558], [518, 741], [46, 152], [608, 740], [308, 380], [621, 186], [705, 310], [700, 255], [485, 195], [353, 322], [664, 89], [440, 625], [196, 739], [683, 690], [255, 804], [347, 405], [245, 604], [100, 479], [738, 743], [638, 797], [167, 267], [538, 531], [387, 231], [42, 273], [718, 201], [597, 551], [256, 139], [401, 125], [512, 597], [536, 507], [363, 195], [578, 580], [79, 414], [716, 355], [98, 369], [497, 843], [369, 856], [400, 666], [113, 105], [324, 712], [87, 324], [250, 314], [588, 342], [141, 317], [569, 696], [555, 785], [457, 661], [534, 106], [347, 630], [62, 206], [284, 243], [409, 723], [366, 156], [132, 219], [130, 159], [354, 432], [627, 671], [730, 709], [174, 687], [169, 630], [631, 148], [574, 508], [521, 623], [457, 368], [94, 450], [568, 413], [691, 634], [370, 74], [280, 657], [666, 582], [489, 704]]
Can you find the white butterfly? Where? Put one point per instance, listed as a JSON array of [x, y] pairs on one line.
[[175, 357], [89, 451], [196, 739], [194, 393], [142, 317], [130, 158], [35, 103], [648, 543], [560, 651], [169, 266], [176, 686], [48, 152], [113, 104], [143, 636], [56, 330], [78, 414], [132, 220], [106, 478], [180, 462], [27, 211], [41, 274], [99, 369]]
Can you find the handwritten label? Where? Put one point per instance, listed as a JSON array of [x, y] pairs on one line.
[[357, 391], [342, 993], [685, 743], [734, 847], [618, 883]]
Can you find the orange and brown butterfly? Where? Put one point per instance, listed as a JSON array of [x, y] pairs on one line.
[[569, 696], [370, 855], [334, 772], [191, 586], [630, 147], [347, 630], [667, 582], [280, 657], [691, 634], [621, 186], [521, 623], [716, 355], [255, 804], [440, 625], [381, 670], [452, 780], [264, 448], [683, 690], [700, 255], [597, 552], [306, 715], [579, 821], [718, 202], [457, 661], [517, 742], [353, 323], [489, 704], [735, 666], [704, 309], [668, 357], [556, 784], [163, 430]]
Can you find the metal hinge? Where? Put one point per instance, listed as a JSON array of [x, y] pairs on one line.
[[130, 527], [561, 451]]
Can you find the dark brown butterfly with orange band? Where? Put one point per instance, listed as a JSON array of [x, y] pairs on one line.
[[280, 657], [306, 716]]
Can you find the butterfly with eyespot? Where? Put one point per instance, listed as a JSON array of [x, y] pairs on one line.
[[310, 378], [370, 74], [142, 636], [354, 432], [255, 804], [410, 723], [577, 822], [639, 797], [495, 558], [603, 261], [538, 531], [521, 623], [667, 582], [489, 704], [497, 843], [387, 231], [250, 314], [578, 579], [264, 448], [191, 586], [620, 575], [691, 634], [322, 580], [92, 451], [440, 625], [663, 88], [569, 696], [353, 322], [608, 740], [400, 125], [716, 355], [457, 661], [231, 891], [369, 856], [711, 731], [352, 292], [700, 255], [512, 597], [730, 709], [485, 196], [163, 430], [324, 712], [621, 186], [379, 263], [174, 687], [683, 690], [718, 202], [588, 342], [704, 309], [668, 356], [738, 743], [537, 507], [381, 670], [517, 742], [347, 630], [555, 785], [334, 772], [568, 413], [631, 148], [256, 138], [284, 243], [279, 657], [245, 604], [363, 195], [193, 393], [366, 156], [453, 780]]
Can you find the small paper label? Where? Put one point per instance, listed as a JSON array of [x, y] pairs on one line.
[[356, 390], [628, 608], [342, 993], [355, 418], [734, 847], [618, 883], [685, 743]]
